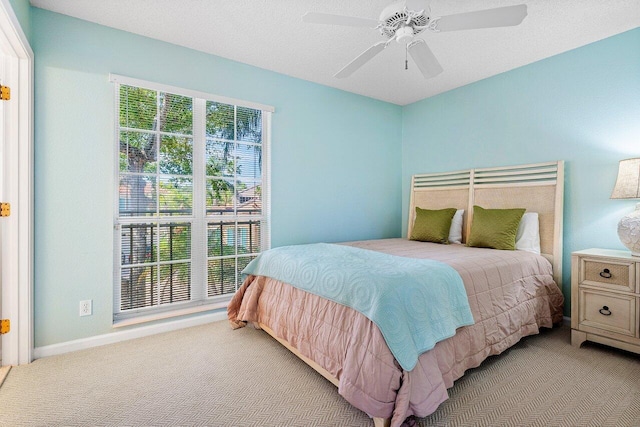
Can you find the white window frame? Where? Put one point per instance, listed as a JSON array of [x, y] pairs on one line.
[[199, 301]]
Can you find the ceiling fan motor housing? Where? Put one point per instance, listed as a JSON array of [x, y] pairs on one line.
[[394, 18]]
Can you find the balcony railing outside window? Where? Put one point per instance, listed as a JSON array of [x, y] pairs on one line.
[[158, 255]]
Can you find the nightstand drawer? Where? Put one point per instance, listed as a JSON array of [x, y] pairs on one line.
[[608, 274], [608, 311]]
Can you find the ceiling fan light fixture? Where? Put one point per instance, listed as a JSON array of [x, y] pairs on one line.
[[404, 34]]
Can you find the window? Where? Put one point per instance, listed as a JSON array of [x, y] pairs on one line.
[[192, 188]]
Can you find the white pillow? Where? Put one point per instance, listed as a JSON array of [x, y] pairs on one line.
[[455, 232], [528, 236]]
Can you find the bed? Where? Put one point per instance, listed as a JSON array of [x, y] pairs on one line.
[[511, 294]]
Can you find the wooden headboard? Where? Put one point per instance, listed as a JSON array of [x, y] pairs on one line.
[[536, 187]]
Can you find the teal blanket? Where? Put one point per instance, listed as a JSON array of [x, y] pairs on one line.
[[414, 302]]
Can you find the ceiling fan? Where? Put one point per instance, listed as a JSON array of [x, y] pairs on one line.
[[403, 20]]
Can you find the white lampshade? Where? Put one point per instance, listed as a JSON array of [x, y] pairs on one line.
[[628, 182], [628, 187]]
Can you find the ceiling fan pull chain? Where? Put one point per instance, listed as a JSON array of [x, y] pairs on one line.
[[406, 58]]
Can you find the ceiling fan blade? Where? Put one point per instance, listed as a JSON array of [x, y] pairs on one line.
[[499, 17], [349, 21], [362, 59], [424, 59]]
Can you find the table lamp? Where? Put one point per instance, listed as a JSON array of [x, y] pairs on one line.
[[628, 187]]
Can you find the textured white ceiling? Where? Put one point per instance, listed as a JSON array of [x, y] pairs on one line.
[[270, 34]]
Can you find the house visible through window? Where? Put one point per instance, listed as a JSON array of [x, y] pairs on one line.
[[192, 187]]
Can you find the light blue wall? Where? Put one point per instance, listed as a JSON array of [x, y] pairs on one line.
[[582, 107], [335, 158], [341, 163]]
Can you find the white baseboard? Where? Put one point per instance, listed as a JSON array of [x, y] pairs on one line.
[[124, 335], [566, 321]]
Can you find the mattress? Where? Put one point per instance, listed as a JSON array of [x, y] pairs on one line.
[[511, 294]]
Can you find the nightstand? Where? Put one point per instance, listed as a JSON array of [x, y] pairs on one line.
[[605, 298]]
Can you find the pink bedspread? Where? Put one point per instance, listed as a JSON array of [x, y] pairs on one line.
[[511, 294]]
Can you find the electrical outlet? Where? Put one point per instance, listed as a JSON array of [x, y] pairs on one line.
[[85, 307]]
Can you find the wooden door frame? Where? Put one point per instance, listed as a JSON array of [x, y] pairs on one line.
[[17, 229]]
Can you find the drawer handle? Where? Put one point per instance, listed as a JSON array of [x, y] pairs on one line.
[[605, 311], [606, 274]]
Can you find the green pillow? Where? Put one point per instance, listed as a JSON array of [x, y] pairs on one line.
[[432, 225], [495, 228]]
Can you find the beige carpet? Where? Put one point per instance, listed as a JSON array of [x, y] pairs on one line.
[[211, 375]]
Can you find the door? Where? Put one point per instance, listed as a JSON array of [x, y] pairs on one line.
[[2, 191], [16, 188]]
